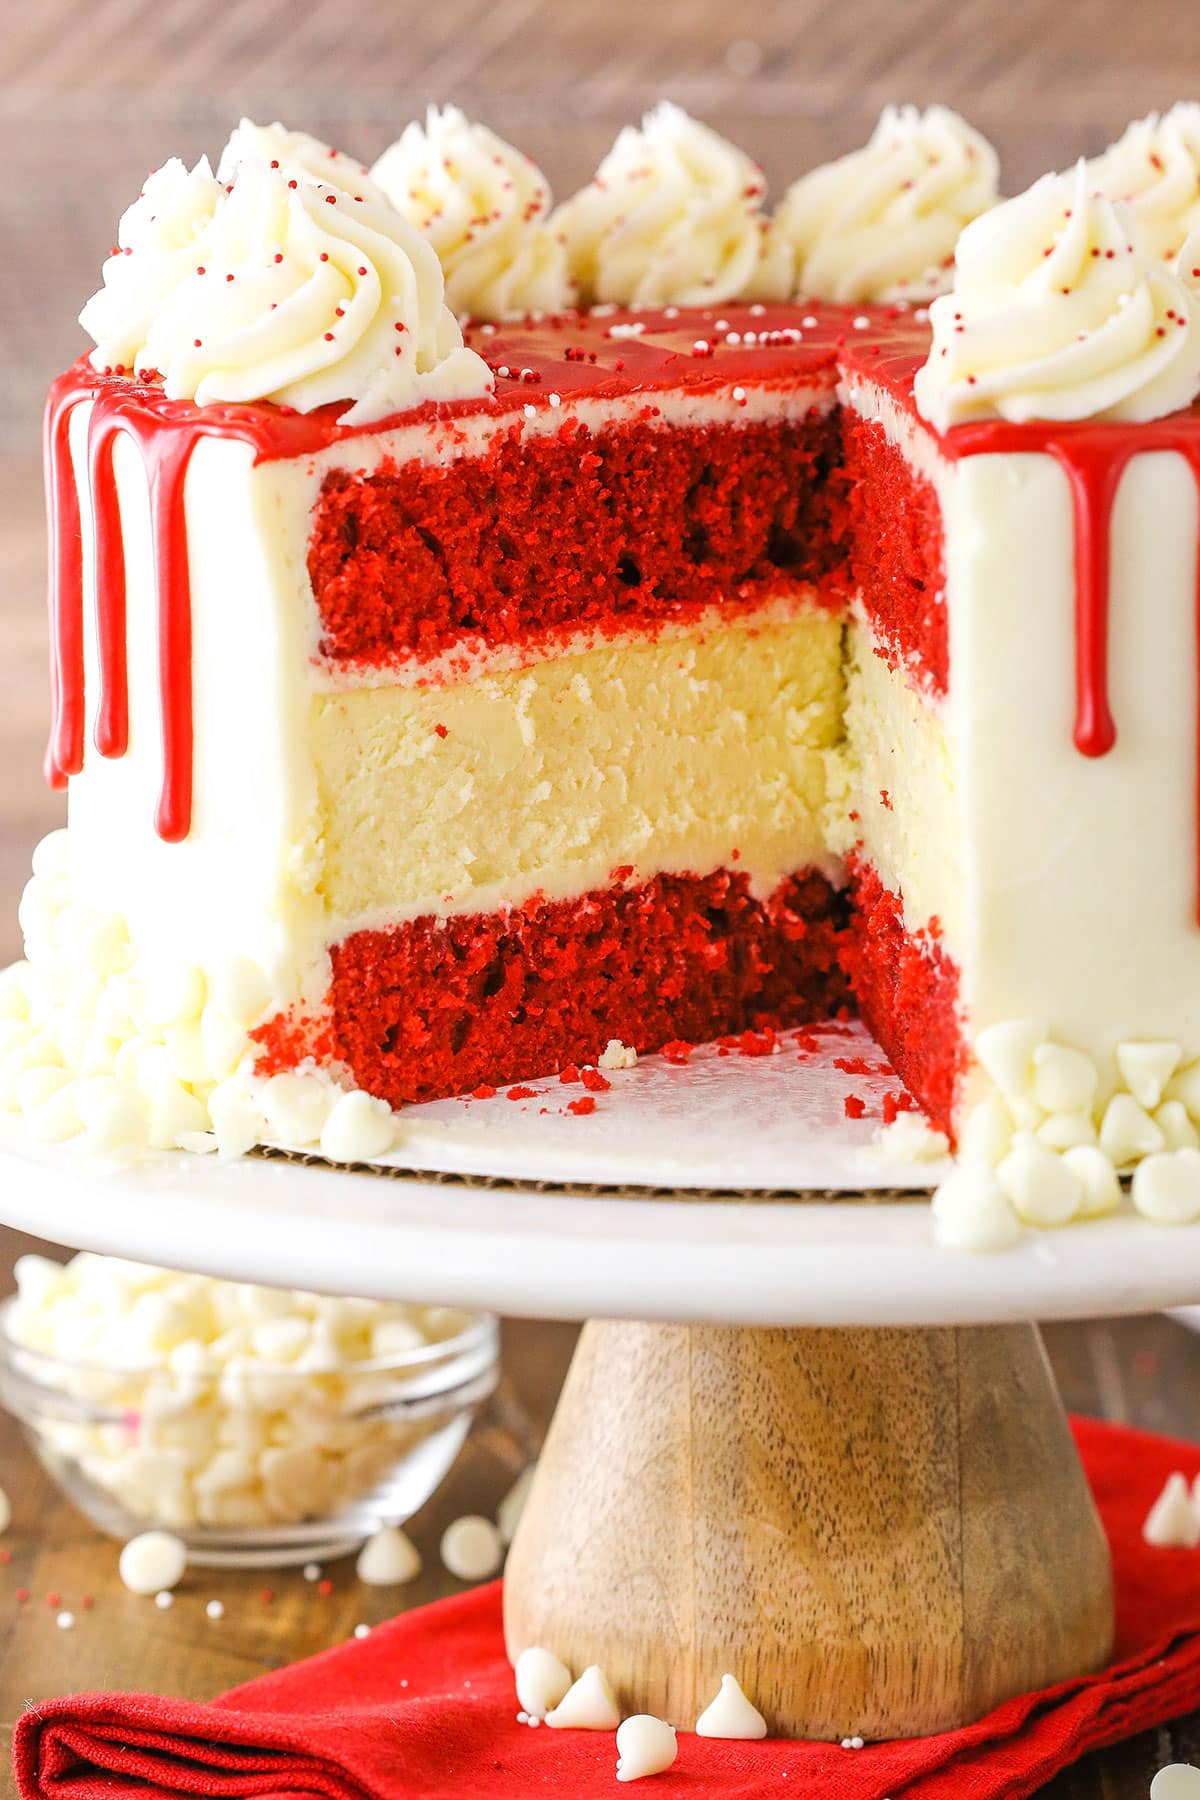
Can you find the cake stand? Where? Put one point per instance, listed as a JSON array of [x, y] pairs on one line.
[[797, 1442]]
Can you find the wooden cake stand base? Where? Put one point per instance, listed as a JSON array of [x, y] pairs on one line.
[[881, 1533]]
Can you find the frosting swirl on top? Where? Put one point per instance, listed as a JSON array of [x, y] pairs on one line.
[[1058, 312], [297, 154], [881, 224], [273, 287], [1155, 169], [673, 217], [483, 206]]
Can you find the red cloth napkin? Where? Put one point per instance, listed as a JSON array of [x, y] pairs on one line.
[[425, 1707]]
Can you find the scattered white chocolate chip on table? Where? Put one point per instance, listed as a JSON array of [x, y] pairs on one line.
[[645, 1746], [1178, 1781], [388, 1559], [588, 1704], [152, 1563], [542, 1681], [1173, 1522], [731, 1714], [471, 1548]]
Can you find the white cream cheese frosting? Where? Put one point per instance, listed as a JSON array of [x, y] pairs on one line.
[[673, 217], [273, 287], [881, 224], [296, 153], [1154, 167], [483, 206], [1058, 312]]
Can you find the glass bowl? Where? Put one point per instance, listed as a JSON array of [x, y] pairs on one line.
[[260, 1465]]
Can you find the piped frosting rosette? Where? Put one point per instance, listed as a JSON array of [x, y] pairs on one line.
[[673, 217], [273, 287], [483, 206], [1154, 168], [881, 224], [1059, 312]]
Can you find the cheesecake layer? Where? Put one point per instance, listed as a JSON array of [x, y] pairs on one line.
[[677, 753]]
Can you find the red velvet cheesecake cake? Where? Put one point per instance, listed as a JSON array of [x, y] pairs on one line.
[[664, 666]]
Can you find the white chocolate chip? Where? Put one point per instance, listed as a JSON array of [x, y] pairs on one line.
[[1042, 1187], [987, 1132], [1006, 1052], [153, 1562], [971, 1211], [388, 1559], [1127, 1131], [1146, 1068], [242, 991], [731, 1714], [1176, 1781], [1066, 1130], [1099, 1188], [587, 1705], [1184, 1085], [358, 1128], [471, 1548], [296, 1107], [645, 1746], [1172, 1522], [237, 1118], [542, 1680], [617, 1055], [1174, 1122], [1064, 1080], [65, 1621], [1166, 1187], [508, 1513]]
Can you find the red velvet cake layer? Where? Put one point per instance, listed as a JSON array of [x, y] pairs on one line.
[[894, 543], [631, 525], [906, 990], [441, 1006]]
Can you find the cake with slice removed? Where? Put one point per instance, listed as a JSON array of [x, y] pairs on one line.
[[638, 672]]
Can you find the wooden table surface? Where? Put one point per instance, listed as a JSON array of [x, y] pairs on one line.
[[94, 92]]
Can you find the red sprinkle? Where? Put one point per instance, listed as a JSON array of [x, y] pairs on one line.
[[442, 731], [267, 1595], [23, 1595], [325, 1587], [54, 1599]]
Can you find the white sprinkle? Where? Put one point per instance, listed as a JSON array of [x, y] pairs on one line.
[[733, 337], [530, 411], [503, 369], [522, 1718], [362, 1631], [750, 337], [670, 312], [862, 323], [526, 374], [554, 399], [488, 330], [164, 1600], [215, 1610], [921, 313], [700, 344], [312, 1571], [404, 1683], [722, 325], [65, 1621], [533, 1720], [809, 320], [739, 393], [757, 311], [626, 328]]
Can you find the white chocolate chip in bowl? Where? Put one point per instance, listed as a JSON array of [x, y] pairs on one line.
[[251, 1423]]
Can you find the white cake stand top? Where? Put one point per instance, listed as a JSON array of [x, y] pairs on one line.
[[553, 1253]]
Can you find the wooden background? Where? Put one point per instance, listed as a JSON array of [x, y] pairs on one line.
[[95, 92]]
